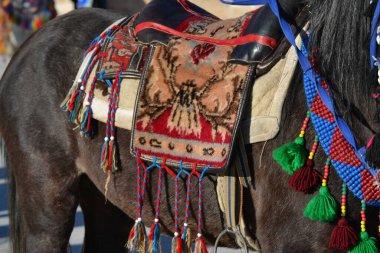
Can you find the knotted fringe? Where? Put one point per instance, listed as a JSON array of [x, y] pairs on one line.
[[366, 245], [200, 246], [292, 156], [154, 237], [137, 237], [322, 207], [372, 155], [343, 236]]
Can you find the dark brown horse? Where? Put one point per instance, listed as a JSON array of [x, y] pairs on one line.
[[53, 169]]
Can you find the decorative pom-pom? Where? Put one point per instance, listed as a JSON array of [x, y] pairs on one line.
[[372, 155], [305, 179], [343, 236], [366, 245], [291, 156], [154, 237], [322, 207]]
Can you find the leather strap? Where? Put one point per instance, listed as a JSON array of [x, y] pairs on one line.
[[264, 40], [230, 197]]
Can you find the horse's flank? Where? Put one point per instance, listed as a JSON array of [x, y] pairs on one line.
[[51, 163]]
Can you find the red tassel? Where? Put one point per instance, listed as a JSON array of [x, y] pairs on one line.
[[305, 179], [178, 248], [343, 236]]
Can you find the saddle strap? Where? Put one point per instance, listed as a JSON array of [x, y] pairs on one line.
[[230, 196], [264, 40]]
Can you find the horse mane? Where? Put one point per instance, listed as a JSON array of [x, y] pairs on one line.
[[340, 34]]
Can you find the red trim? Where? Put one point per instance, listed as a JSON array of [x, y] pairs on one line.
[[264, 40]]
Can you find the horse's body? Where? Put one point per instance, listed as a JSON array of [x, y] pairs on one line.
[[51, 164]]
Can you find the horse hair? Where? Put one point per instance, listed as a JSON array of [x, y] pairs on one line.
[[340, 34]]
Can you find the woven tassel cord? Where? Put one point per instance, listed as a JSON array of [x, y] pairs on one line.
[[292, 156], [154, 234], [186, 231], [137, 237], [306, 178], [343, 236]]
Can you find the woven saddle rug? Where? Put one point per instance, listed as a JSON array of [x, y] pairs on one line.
[[187, 107]]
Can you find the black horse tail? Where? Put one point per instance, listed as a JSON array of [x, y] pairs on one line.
[[16, 236]]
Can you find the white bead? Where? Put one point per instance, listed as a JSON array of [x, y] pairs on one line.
[[176, 234], [112, 138], [139, 219], [106, 139], [378, 39], [82, 87], [199, 235], [378, 29], [185, 224], [155, 220], [86, 103], [80, 80]]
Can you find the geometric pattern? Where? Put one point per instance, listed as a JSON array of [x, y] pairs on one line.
[[343, 157]]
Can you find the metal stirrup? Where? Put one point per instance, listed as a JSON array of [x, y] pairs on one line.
[[238, 237]]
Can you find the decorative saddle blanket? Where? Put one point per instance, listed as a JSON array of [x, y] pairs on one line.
[[188, 106]]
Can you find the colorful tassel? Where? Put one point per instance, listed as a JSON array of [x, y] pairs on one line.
[[154, 237], [343, 236], [104, 155], [323, 206], [306, 178], [367, 244], [292, 156], [200, 245], [177, 244], [137, 237], [186, 238]]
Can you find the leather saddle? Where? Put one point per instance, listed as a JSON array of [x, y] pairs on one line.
[[175, 14]]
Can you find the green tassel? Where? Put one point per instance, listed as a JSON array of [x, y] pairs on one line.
[[291, 156], [366, 245], [322, 207]]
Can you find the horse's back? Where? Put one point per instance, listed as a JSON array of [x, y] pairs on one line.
[[45, 65]]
